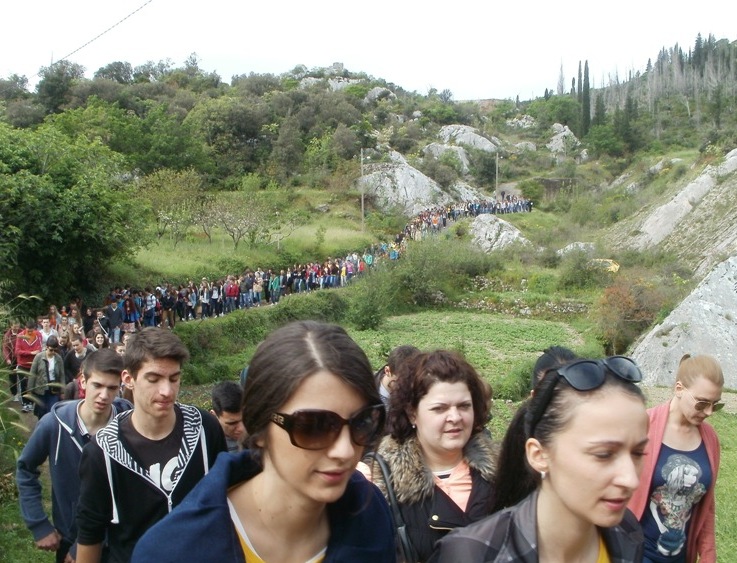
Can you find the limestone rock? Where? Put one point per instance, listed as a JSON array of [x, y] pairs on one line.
[[526, 146], [664, 219], [379, 93], [587, 247], [465, 135], [436, 150], [522, 122], [704, 323], [563, 140], [491, 233], [397, 184]]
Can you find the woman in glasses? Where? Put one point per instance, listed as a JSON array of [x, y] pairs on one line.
[[440, 461], [675, 500], [582, 435], [310, 407]]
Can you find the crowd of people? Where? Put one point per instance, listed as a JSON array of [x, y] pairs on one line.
[[313, 456]]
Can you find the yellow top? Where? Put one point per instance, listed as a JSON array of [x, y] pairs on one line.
[[248, 550], [603, 554]]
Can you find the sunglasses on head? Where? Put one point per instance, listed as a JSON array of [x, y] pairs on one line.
[[319, 429], [701, 405], [585, 375]]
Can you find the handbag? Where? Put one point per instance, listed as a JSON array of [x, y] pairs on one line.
[[406, 549]]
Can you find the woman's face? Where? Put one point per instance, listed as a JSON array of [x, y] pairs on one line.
[[702, 389], [593, 465], [314, 476], [99, 340], [444, 420]]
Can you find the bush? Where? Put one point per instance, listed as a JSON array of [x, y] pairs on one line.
[[577, 272], [369, 301]]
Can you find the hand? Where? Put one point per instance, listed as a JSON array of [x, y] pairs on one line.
[[68, 559], [50, 542]]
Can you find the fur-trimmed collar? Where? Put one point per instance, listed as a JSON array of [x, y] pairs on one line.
[[412, 479]]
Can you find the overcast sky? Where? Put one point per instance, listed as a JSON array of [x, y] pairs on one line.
[[475, 48]]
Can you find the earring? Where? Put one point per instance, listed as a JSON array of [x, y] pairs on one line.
[[543, 474], [413, 427]]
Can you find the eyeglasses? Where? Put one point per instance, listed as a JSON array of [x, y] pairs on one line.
[[701, 405], [319, 429], [585, 375]]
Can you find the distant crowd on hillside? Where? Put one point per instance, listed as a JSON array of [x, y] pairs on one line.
[[127, 309]]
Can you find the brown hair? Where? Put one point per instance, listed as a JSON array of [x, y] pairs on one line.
[[691, 368], [286, 358], [420, 372], [153, 343]]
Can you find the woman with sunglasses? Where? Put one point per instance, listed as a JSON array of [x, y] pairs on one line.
[[310, 407], [675, 500], [440, 461], [582, 435]]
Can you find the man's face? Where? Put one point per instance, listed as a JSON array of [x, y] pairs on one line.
[[232, 424], [155, 387], [45, 324], [100, 391], [77, 346]]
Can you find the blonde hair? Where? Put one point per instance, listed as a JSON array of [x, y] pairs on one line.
[[693, 367]]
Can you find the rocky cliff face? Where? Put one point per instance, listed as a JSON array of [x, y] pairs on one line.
[[704, 323], [696, 222]]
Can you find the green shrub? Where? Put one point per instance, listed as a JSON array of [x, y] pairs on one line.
[[220, 348]]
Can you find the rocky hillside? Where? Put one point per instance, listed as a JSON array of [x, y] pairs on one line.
[[694, 220]]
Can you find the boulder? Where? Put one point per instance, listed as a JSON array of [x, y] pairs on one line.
[[491, 233], [526, 146], [397, 184], [587, 247], [379, 93], [563, 140], [470, 136], [522, 122], [436, 150], [704, 323]]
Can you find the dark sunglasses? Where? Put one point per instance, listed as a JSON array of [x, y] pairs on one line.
[[585, 375], [319, 429]]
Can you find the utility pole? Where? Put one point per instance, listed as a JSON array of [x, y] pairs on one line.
[[363, 190], [496, 175]]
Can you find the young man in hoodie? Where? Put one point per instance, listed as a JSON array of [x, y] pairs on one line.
[[59, 437], [145, 461]]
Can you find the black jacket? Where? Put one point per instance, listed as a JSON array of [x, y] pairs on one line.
[[120, 498], [427, 511], [511, 535]]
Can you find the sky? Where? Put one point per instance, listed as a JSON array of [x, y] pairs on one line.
[[476, 49]]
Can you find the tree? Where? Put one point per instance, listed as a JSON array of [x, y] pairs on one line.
[[585, 102], [56, 84], [246, 215], [66, 212], [173, 197], [121, 72]]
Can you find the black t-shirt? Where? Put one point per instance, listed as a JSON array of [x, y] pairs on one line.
[[158, 457]]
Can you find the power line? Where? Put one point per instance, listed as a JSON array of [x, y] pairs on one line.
[[116, 24]]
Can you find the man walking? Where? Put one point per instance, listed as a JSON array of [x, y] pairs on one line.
[[145, 461], [59, 437]]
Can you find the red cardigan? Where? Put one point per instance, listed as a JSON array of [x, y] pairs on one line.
[[701, 540]]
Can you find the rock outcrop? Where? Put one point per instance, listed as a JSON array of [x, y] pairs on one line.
[[397, 184], [665, 219], [563, 140], [436, 150], [470, 136], [491, 233], [704, 323]]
